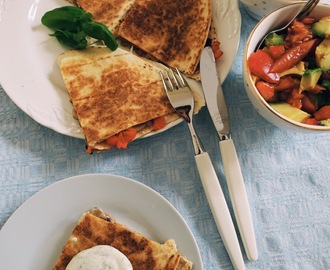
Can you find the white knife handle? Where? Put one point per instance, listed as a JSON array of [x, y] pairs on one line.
[[219, 209], [239, 197]]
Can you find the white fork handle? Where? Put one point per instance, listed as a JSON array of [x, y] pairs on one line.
[[219, 209], [238, 197]]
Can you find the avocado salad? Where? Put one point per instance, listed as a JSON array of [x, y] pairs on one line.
[[292, 71]]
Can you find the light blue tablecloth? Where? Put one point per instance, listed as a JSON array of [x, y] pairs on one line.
[[286, 174]]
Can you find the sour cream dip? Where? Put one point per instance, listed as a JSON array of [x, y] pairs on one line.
[[101, 257]]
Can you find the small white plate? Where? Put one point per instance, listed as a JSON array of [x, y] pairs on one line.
[[28, 69], [33, 237]]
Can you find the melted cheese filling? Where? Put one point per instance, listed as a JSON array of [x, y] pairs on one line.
[[101, 257]]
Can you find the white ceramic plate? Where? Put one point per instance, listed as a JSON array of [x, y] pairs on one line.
[[28, 69], [33, 237]]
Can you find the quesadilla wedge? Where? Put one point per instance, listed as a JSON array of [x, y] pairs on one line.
[[115, 94], [97, 228], [174, 32], [108, 12]]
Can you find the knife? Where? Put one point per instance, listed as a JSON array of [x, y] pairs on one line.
[[218, 111]]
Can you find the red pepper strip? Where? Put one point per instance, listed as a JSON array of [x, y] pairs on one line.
[[259, 64], [292, 56], [317, 89], [323, 113]]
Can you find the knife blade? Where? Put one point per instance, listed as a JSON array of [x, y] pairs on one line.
[[217, 108]]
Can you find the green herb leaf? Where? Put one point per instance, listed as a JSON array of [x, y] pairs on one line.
[[72, 25], [74, 40], [101, 32]]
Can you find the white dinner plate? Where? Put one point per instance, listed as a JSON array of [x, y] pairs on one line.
[[28, 69], [33, 237]]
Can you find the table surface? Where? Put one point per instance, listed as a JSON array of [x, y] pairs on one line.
[[286, 175]]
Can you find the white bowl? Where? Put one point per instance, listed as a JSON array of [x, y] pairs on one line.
[[272, 21]]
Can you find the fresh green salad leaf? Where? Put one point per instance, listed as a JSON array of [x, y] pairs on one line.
[[73, 25]]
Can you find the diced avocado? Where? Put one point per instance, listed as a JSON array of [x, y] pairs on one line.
[[325, 122], [298, 69], [322, 55], [274, 39], [290, 112], [309, 79], [322, 27]]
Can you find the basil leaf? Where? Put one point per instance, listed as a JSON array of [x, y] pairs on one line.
[[100, 31], [62, 18], [74, 40], [72, 25]]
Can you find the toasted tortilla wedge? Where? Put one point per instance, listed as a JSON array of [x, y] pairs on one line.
[[108, 12], [174, 32], [97, 228], [112, 91]]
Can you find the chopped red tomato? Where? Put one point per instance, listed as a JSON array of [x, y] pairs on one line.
[[259, 64], [286, 83], [216, 49], [266, 90], [112, 140], [122, 139], [300, 31], [294, 99], [159, 123], [310, 121], [307, 105], [129, 134], [276, 51], [89, 150]]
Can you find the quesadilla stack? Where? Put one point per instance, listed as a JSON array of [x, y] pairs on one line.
[[174, 32], [112, 92], [97, 228], [118, 96]]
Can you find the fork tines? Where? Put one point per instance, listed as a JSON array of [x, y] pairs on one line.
[[171, 77]]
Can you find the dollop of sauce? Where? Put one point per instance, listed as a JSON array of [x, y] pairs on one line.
[[101, 257]]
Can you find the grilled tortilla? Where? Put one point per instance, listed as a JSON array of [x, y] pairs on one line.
[[114, 91], [97, 228], [174, 32], [108, 12]]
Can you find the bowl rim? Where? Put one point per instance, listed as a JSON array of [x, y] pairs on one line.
[[249, 80]]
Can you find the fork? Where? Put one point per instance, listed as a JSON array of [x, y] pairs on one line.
[[181, 98], [302, 13]]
